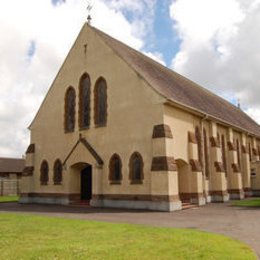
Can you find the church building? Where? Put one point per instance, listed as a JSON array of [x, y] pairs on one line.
[[118, 129]]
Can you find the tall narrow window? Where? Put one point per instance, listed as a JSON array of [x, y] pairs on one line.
[[101, 102], [44, 177], [238, 153], [57, 170], [224, 154], [84, 101], [250, 152], [70, 110], [136, 168], [198, 138], [206, 152], [115, 166]]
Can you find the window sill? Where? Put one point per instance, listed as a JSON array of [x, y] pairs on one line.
[[84, 128], [57, 183], [136, 182], [69, 131], [115, 182], [103, 125]]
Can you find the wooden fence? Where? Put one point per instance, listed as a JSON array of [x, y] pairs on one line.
[[9, 187]]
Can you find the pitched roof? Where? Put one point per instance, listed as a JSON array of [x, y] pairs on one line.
[[11, 165], [179, 89]]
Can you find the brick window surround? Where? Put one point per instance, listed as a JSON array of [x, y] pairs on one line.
[[44, 173], [69, 113], [100, 102], [115, 169], [57, 172], [136, 165], [84, 101]]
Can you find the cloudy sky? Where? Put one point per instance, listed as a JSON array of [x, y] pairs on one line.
[[216, 43]]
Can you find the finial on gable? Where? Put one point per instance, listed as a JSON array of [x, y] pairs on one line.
[[238, 103], [89, 7]]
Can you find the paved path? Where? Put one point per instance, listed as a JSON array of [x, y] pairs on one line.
[[242, 223]]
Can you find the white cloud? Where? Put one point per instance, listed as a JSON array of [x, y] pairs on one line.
[[25, 80], [157, 56], [220, 47]]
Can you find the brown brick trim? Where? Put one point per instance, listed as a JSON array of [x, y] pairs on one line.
[[192, 195], [245, 149], [96, 119], [112, 173], [235, 167], [57, 172], [218, 193], [132, 176], [235, 191], [219, 167], [44, 173], [66, 112], [70, 196], [162, 131], [247, 189], [30, 149], [163, 163], [214, 141], [28, 171], [136, 197], [195, 165], [81, 103], [255, 153], [192, 138], [89, 148], [231, 146]]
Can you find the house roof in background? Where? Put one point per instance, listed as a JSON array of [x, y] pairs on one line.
[[11, 165]]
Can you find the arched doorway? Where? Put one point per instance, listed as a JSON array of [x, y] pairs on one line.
[[183, 180], [86, 183]]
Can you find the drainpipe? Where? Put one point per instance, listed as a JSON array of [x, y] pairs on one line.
[[203, 153]]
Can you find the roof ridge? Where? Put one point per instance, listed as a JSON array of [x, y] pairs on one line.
[[169, 69]]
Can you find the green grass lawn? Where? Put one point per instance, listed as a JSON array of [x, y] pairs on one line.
[[35, 237], [9, 199], [249, 203]]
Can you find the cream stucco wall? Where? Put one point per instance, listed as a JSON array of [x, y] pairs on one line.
[[133, 109]]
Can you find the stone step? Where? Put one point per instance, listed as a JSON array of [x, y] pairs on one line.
[[80, 203], [188, 205]]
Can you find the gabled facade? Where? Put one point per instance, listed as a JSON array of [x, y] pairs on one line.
[[120, 130]]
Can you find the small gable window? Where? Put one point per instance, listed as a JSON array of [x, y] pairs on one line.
[[136, 168], [115, 169], [44, 177], [84, 101], [101, 102], [57, 170], [70, 110]]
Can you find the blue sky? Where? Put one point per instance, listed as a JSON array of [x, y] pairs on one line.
[[215, 43]]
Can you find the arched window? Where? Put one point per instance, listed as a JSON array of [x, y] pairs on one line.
[[57, 172], [250, 152], [136, 165], [206, 152], [115, 167], [198, 138], [224, 153], [84, 101], [69, 121], [44, 177], [100, 102], [238, 153]]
